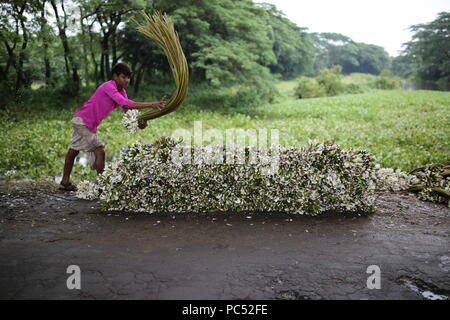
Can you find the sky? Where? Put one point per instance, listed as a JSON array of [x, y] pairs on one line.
[[383, 22]]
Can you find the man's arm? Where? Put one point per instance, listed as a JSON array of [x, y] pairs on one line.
[[143, 105]]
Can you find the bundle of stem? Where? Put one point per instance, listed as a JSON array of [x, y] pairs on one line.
[[160, 29]]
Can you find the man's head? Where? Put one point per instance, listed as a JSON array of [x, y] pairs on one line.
[[121, 74]]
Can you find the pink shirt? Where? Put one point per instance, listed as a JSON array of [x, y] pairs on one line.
[[105, 99]]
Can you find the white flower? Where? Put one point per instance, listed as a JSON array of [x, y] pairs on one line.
[[144, 179], [88, 190], [388, 179], [130, 120]]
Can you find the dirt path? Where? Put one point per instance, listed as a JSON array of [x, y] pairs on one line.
[[217, 255]]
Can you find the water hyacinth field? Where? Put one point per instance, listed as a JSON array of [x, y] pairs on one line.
[[402, 129]]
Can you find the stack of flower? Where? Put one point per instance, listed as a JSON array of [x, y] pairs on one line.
[[311, 180]]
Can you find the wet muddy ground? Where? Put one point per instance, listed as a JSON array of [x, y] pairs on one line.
[[219, 255]]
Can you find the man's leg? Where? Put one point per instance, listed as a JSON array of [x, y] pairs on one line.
[[68, 165], [99, 159]]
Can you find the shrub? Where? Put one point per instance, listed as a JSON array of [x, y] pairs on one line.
[[385, 82], [330, 79], [309, 88], [354, 88], [310, 180]]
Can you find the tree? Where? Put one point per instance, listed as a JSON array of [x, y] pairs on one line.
[[403, 66], [109, 15], [292, 46], [430, 51], [16, 42], [224, 41], [334, 49], [372, 59], [337, 49]]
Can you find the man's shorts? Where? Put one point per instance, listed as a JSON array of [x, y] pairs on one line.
[[84, 140]]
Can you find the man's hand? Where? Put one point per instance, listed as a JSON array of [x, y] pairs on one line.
[[160, 104], [142, 124]]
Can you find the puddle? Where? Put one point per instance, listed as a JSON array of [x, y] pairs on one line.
[[427, 291]]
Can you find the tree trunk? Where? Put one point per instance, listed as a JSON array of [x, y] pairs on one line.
[[114, 48], [20, 79], [105, 57], [68, 59], [94, 60], [48, 73], [11, 56], [62, 36], [140, 76], [85, 55]]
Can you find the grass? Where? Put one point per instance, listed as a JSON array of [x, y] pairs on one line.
[[402, 129]]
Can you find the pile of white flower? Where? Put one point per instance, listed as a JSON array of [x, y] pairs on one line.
[[389, 179], [433, 186], [88, 190], [428, 182], [130, 120], [311, 180]]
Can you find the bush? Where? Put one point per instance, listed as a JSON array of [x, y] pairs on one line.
[[330, 79], [354, 88], [309, 88], [311, 180], [385, 82], [327, 83]]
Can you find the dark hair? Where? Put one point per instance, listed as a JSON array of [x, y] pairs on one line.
[[121, 68]]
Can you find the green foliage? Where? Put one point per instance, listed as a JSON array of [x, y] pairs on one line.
[[429, 49]]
